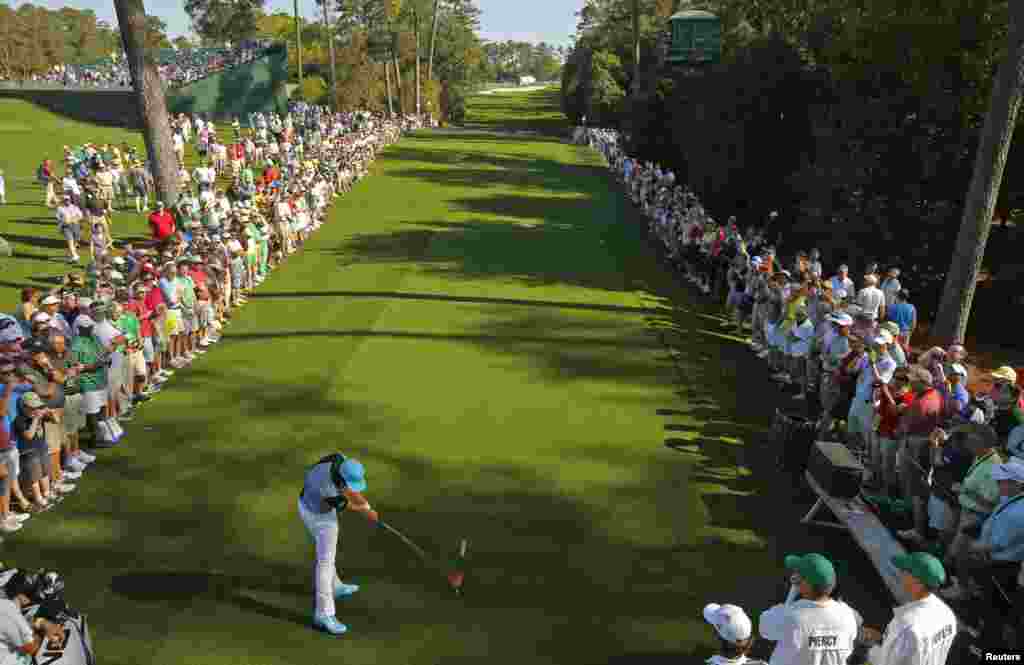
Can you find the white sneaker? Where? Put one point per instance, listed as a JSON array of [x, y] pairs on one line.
[[70, 474], [116, 426], [64, 488], [84, 458], [10, 525], [21, 517]]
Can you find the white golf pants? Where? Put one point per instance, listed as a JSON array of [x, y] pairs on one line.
[[323, 529]]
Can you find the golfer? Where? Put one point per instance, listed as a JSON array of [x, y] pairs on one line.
[[333, 484]]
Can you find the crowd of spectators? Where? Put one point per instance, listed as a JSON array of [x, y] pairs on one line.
[[842, 348], [178, 67], [76, 360]]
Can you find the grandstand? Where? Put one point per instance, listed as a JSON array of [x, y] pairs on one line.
[[216, 82]]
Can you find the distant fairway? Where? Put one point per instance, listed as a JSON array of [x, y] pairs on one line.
[[485, 326]]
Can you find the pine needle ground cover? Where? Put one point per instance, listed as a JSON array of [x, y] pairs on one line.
[[483, 324]]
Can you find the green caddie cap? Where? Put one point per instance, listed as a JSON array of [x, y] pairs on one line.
[[814, 569], [923, 566]]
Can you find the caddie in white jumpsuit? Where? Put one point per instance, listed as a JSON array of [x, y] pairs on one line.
[[921, 631], [814, 629], [333, 484]]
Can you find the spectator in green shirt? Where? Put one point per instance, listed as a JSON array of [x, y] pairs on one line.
[[187, 292], [978, 493], [92, 380], [135, 362]]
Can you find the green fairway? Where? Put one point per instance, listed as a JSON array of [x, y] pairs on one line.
[[483, 324]]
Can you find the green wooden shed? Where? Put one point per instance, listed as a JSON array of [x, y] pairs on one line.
[[696, 38]]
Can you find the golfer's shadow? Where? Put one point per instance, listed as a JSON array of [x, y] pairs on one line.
[[182, 588]]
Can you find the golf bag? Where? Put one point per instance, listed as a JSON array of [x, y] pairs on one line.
[[76, 648]]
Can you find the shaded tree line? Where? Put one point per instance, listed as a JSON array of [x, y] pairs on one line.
[[858, 122], [508, 60]]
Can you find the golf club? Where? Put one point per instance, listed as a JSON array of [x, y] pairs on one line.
[[455, 578]]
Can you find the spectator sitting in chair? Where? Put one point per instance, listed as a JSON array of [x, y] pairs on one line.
[[978, 493], [999, 548], [735, 632]]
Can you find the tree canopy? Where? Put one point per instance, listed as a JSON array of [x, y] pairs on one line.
[[858, 121]]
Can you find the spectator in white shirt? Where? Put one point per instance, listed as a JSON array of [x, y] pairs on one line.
[[69, 224], [921, 631], [871, 299], [891, 286], [815, 629], [841, 281]]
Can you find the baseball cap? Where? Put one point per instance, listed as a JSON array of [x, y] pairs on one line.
[[730, 622], [50, 300], [923, 566], [40, 317], [31, 400], [84, 320], [354, 474], [883, 337], [815, 569], [1011, 470], [844, 268], [842, 319], [957, 368], [1005, 373]]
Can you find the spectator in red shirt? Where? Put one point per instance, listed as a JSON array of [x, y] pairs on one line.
[[896, 398], [916, 424], [152, 301], [161, 223], [137, 306]]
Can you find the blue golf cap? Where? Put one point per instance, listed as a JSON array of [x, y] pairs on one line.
[[354, 474]]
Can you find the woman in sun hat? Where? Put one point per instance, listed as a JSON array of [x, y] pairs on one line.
[[735, 633]]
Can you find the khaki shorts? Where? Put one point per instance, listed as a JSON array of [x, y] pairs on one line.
[[136, 364], [54, 433], [74, 413]]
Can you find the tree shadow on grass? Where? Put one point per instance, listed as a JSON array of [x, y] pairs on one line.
[[559, 251], [36, 241], [440, 297]]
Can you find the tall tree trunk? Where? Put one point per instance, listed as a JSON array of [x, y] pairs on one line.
[[961, 281], [636, 48], [416, 39], [330, 48], [398, 72], [387, 85], [433, 41], [149, 93], [298, 42]]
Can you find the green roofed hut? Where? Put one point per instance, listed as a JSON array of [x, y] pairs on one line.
[[696, 38]]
